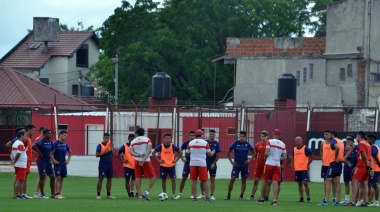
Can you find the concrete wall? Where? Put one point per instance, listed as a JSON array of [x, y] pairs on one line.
[[375, 31], [87, 166], [56, 70], [257, 80], [374, 87], [346, 88], [345, 26]]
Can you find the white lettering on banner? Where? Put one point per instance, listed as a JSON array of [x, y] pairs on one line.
[[316, 141]]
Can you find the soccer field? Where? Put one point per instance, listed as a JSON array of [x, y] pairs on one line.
[[80, 193]]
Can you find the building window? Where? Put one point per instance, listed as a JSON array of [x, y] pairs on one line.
[[342, 74], [231, 131], [311, 71], [132, 128], [298, 77], [45, 80], [374, 77], [349, 71], [62, 127], [304, 74], [82, 56]]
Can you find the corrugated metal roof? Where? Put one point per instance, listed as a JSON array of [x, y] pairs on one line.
[[22, 56], [17, 88]]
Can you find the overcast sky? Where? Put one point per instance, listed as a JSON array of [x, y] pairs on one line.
[[17, 16]]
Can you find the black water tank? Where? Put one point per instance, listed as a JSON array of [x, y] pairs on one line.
[[287, 87], [161, 84], [88, 89]]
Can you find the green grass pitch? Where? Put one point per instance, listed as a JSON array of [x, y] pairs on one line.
[[80, 193]]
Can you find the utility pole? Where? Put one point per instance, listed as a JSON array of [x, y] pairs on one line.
[[116, 62], [80, 84]]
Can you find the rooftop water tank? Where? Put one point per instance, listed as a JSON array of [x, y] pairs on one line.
[[88, 89], [287, 87], [161, 85]]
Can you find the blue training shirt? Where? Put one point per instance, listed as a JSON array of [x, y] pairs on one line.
[[374, 151], [14, 140], [45, 146], [215, 145], [352, 158], [158, 148], [184, 147], [241, 151], [332, 144], [60, 149], [121, 149], [106, 158]]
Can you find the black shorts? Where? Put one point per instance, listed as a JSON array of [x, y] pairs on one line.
[[212, 171]]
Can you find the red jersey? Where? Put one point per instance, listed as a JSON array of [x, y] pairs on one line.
[[28, 147], [260, 153], [38, 138], [364, 146]]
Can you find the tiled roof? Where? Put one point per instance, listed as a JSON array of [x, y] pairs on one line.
[[19, 89], [22, 56]]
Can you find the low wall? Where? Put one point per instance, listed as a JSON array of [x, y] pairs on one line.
[[87, 166]]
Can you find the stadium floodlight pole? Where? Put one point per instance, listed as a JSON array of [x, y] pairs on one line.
[[116, 62]]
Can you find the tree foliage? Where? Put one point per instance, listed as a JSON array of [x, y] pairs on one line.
[[181, 36], [318, 26], [80, 27]]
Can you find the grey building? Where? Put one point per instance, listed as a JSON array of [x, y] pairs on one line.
[[340, 69]]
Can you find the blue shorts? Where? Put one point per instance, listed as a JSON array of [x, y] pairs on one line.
[[244, 170], [129, 173], [186, 170], [335, 170], [212, 172], [347, 173], [60, 170], [44, 167], [105, 170], [302, 176], [375, 179], [165, 171], [324, 171]]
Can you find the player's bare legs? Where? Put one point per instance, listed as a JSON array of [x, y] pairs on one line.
[[194, 188], [99, 185], [52, 184], [174, 186], [109, 185], [138, 186], [275, 190], [212, 184], [150, 184], [163, 185], [42, 184]]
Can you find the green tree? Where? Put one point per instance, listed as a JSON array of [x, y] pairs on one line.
[[181, 37], [318, 26], [80, 27]]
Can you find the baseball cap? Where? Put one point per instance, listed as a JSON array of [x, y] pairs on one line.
[[199, 132], [276, 132]]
